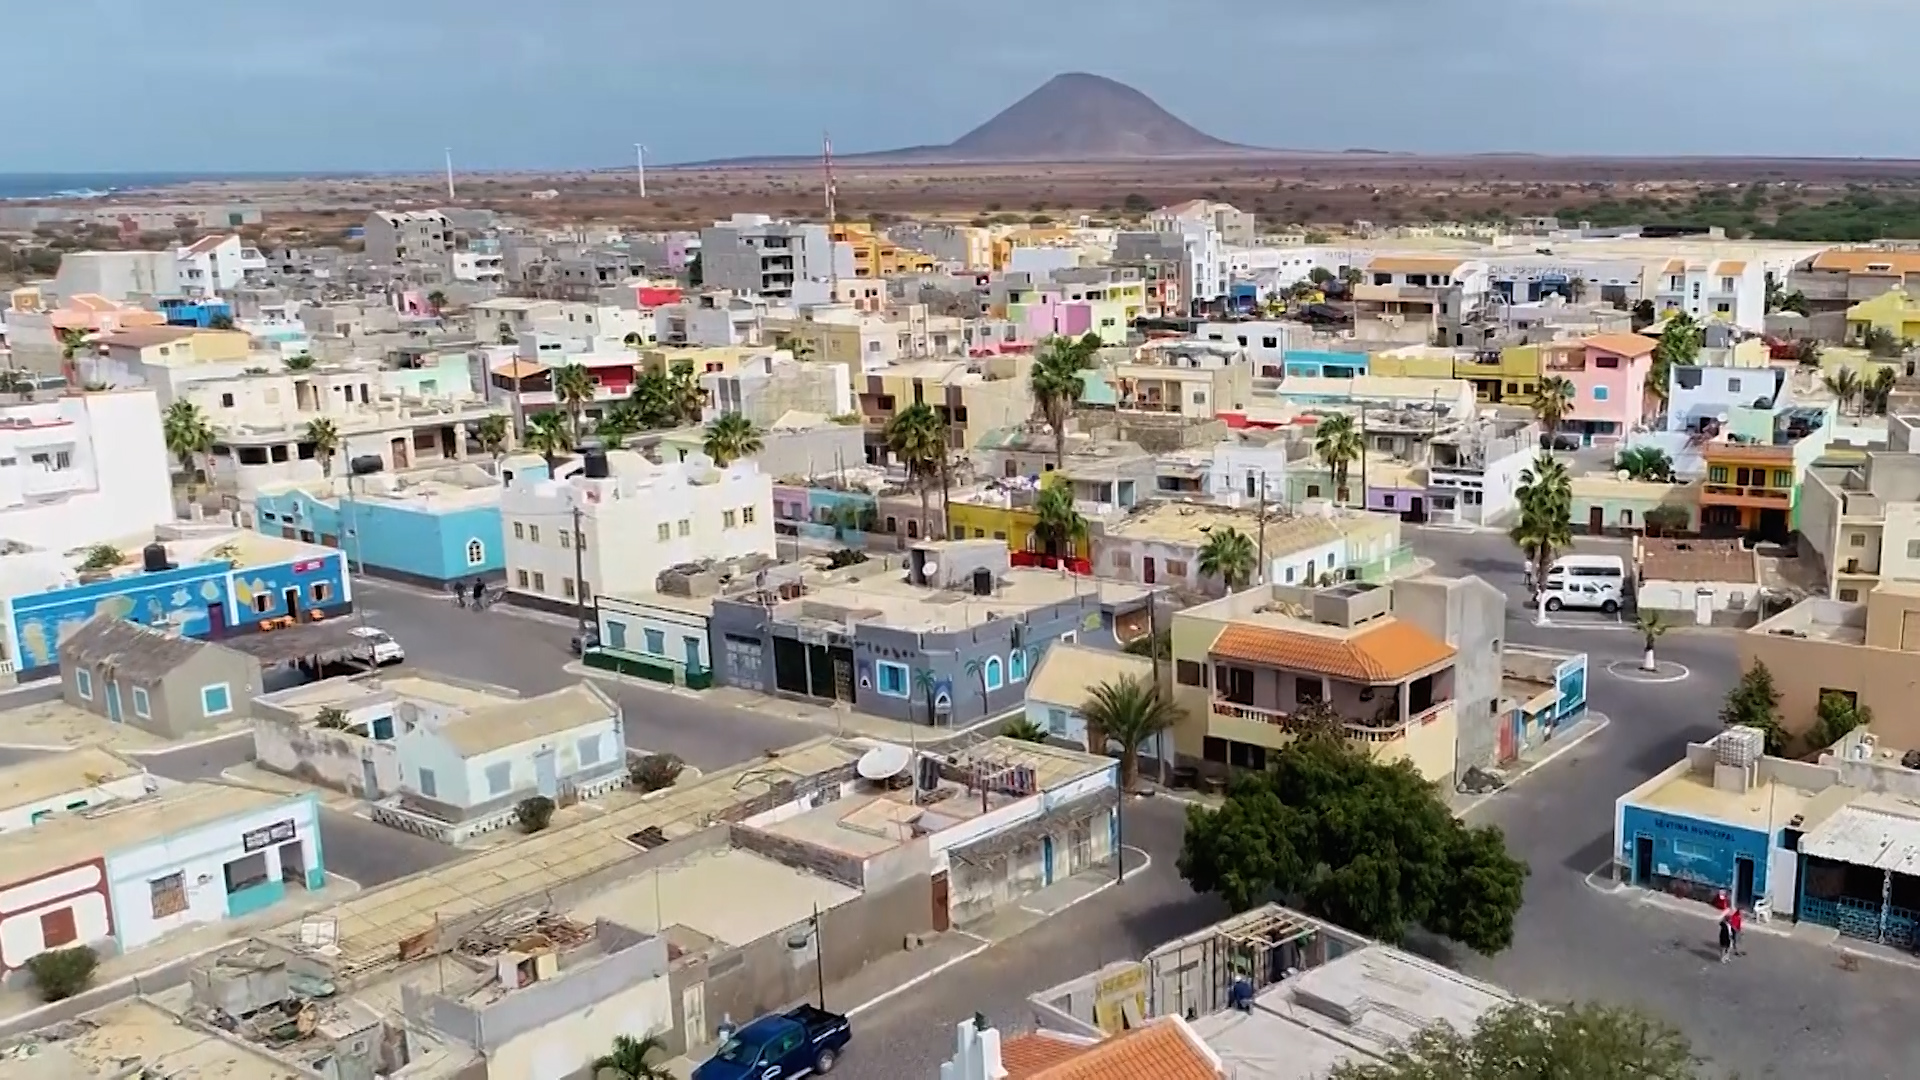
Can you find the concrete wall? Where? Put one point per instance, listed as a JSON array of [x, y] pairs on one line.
[[199, 857], [1018, 861], [1469, 615], [335, 759]]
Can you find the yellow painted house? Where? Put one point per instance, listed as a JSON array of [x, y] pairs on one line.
[[876, 256], [1511, 379], [990, 514], [1413, 362], [1892, 311]]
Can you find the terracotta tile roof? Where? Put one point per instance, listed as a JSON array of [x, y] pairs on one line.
[[1697, 560], [1164, 1050], [1623, 344], [1026, 1056], [1387, 651], [205, 244], [1675, 266], [1732, 267], [1856, 262], [519, 369]]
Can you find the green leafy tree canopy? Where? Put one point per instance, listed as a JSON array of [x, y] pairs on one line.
[[1521, 1042]]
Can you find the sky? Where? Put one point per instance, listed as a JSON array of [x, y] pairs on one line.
[[275, 85]]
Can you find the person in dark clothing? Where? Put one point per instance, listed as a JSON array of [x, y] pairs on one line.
[[479, 591], [1726, 938]]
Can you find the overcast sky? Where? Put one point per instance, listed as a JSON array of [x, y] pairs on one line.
[[140, 85]]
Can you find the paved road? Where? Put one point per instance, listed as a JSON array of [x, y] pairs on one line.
[[526, 653]]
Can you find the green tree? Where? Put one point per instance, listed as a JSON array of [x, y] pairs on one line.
[[1545, 526], [573, 387], [437, 300], [1836, 715], [1157, 645], [1370, 846], [1320, 275], [1679, 343], [633, 1059], [1128, 711], [533, 813], [1880, 342], [188, 435], [1877, 391], [1643, 314], [326, 442], [1336, 442], [1574, 1042], [1229, 555], [493, 434], [1652, 628], [220, 322], [1843, 384], [917, 439], [1025, 730], [302, 362], [61, 973], [1552, 400], [1755, 702], [549, 436], [1648, 463], [696, 275], [1057, 382], [683, 390], [618, 424], [1058, 526], [731, 437]]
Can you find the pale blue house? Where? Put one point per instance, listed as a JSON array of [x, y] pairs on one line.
[[433, 529], [1061, 681]]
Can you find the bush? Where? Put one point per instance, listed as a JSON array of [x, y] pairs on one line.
[[655, 772], [62, 973], [534, 814]]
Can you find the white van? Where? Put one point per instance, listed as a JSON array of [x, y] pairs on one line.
[[385, 650], [1583, 593], [1609, 568]]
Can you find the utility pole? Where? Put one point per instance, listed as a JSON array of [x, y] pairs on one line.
[[640, 166], [450, 194], [1260, 569], [833, 251], [580, 573]]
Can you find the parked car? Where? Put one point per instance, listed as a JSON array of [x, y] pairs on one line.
[[580, 643], [384, 649], [806, 1041], [1561, 441]]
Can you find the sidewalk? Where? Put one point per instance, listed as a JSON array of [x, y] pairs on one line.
[[1534, 757], [55, 725]]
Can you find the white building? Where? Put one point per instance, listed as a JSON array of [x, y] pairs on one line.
[[212, 264], [408, 236], [484, 761], [117, 275], [1724, 290], [635, 520], [767, 387], [480, 267], [1246, 470], [716, 317], [757, 254], [35, 791], [1234, 226], [82, 469]]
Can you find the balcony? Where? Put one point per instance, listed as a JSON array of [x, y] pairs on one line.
[[1747, 454], [1764, 498], [1356, 731]]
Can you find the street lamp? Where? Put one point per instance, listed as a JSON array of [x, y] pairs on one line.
[[799, 939]]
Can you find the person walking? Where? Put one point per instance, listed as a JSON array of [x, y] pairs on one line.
[[479, 591], [1736, 922], [1726, 937]]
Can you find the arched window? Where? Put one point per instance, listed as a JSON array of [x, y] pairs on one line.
[[476, 552], [1017, 665], [995, 673]]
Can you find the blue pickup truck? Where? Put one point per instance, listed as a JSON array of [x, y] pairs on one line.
[[806, 1041]]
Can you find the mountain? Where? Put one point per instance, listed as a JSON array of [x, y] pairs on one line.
[[1080, 117]]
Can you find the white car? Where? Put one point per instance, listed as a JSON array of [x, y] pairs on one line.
[[385, 649], [1587, 593]]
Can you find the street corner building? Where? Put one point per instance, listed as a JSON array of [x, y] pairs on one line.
[[124, 874]]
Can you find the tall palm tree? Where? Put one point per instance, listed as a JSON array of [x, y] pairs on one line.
[[915, 436], [1652, 628], [493, 434], [1229, 555], [620, 423], [1546, 515], [437, 300], [187, 435], [630, 1059], [1057, 384], [689, 400], [1552, 402], [573, 386], [1679, 343], [1876, 391], [549, 436], [731, 437], [1059, 527], [1128, 711], [1337, 444], [326, 443], [1844, 385]]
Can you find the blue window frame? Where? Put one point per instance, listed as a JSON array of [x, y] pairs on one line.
[[1599, 393], [656, 642], [996, 674], [616, 634], [891, 679], [216, 700], [142, 704], [83, 684], [1017, 665]]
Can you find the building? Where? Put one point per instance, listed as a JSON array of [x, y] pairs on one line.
[[1701, 398], [664, 636], [1160, 544], [796, 446], [1712, 290], [972, 398], [1863, 651], [137, 1034], [36, 790], [1704, 582], [952, 643], [1609, 506], [1608, 373], [876, 256], [1061, 682], [404, 236], [123, 875], [433, 527], [636, 520], [1541, 691], [1245, 663], [1836, 279], [1862, 522], [82, 468], [117, 276], [210, 265], [758, 255], [713, 317], [1427, 298], [153, 680], [1754, 465], [1236, 227], [768, 386], [1006, 510], [1473, 471]]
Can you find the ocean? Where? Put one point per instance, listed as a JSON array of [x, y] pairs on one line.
[[98, 185]]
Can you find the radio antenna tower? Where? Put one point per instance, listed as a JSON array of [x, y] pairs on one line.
[[833, 259]]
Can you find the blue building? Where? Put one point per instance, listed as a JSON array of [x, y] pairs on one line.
[[205, 587], [200, 313], [1546, 689], [432, 531], [1315, 364]]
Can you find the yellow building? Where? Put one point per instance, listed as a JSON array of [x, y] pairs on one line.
[[973, 403], [990, 514], [1892, 312], [176, 346], [876, 256], [1511, 379], [1413, 362], [660, 359]]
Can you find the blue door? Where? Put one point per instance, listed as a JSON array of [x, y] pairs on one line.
[[692, 645], [1046, 852], [113, 700], [369, 779], [544, 776]]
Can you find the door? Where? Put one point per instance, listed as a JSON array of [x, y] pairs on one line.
[[1147, 569], [1642, 860], [545, 778], [113, 700], [692, 646], [1743, 881], [216, 621], [1046, 855], [942, 916], [398, 447], [369, 779], [290, 596], [1703, 607], [693, 1013], [1596, 520]]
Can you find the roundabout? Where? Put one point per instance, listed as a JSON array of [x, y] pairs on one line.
[[1664, 671]]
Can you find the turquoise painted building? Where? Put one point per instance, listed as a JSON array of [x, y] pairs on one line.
[[817, 513], [210, 598], [435, 539], [1316, 364]]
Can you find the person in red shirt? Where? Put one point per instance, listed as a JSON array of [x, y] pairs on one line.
[[1734, 923]]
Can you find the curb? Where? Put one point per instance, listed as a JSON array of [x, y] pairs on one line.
[[1567, 745]]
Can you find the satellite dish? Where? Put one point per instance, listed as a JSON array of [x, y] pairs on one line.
[[929, 568], [884, 762]]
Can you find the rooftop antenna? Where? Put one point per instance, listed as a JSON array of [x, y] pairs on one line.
[[833, 260], [640, 166], [450, 194]]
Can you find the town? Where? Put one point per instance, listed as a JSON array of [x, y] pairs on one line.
[[1176, 648]]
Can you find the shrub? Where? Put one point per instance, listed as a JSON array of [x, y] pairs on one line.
[[534, 814], [62, 973], [655, 771], [331, 718]]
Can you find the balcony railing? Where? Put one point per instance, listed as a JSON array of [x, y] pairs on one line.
[[1286, 722], [1735, 491], [1768, 453]]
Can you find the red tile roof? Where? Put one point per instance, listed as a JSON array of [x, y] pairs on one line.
[[1388, 651], [1029, 1055], [1163, 1050]]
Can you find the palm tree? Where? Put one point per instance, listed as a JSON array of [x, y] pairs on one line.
[[628, 1059], [1843, 384], [618, 425], [1337, 443], [493, 434], [1645, 463], [1551, 403], [731, 437], [1025, 730], [573, 386], [1059, 527], [1651, 627], [689, 400], [1577, 289], [1876, 392], [302, 362], [1057, 384], [1229, 555], [916, 439], [1679, 344], [326, 443], [187, 435], [437, 300], [1128, 711], [928, 686], [1546, 516], [977, 668], [549, 436]]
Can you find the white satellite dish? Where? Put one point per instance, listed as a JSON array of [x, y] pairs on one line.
[[928, 569], [884, 762]]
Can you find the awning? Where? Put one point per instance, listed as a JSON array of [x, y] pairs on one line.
[[1858, 836]]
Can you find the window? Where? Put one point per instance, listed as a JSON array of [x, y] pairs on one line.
[[168, 895], [746, 515], [665, 531], [1056, 721], [476, 552], [1122, 560], [616, 634], [1188, 673], [321, 591], [1599, 393], [1850, 595], [1723, 308], [262, 603], [533, 533], [1733, 386], [1176, 568], [1726, 284], [57, 928], [656, 642], [566, 543], [142, 706], [566, 585], [519, 531], [1716, 474], [1913, 549], [1017, 666], [428, 786], [994, 674], [539, 581], [686, 527], [892, 678], [520, 578], [226, 400], [1857, 540], [1782, 478], [499, 778], [216, 700], [727, 519], [1313, 491], [589, 750], [83, 684]]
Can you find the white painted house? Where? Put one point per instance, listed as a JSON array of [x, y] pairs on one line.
[[35, 791], [210, 265], [82, 468], [1058, 689], [482, 761]]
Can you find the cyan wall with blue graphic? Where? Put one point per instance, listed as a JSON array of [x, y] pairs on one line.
[[1315, 364], [1571, 677], [1693, 849], [441, 547], [186, 598]]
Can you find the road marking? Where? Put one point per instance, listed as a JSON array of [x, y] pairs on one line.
[[1634, 673]]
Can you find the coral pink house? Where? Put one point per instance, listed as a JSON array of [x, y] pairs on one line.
[[1609, 377]]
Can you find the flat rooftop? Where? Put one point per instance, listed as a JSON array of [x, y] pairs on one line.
[[104, 1044], [71, 838], [1180, 523], [887, 599], [731, 896], [51, 777], [1819, 619], [356, 691], [1763, 806]]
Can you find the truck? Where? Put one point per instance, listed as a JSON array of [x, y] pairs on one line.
[[804, 1041]]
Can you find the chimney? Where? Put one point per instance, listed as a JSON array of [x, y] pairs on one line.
[[976, 1052]]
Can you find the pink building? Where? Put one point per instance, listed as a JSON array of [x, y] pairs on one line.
[[1609, 377]]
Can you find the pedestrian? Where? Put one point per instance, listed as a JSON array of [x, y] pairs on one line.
[[479, 591], [1735, 923], [1726, 938]]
